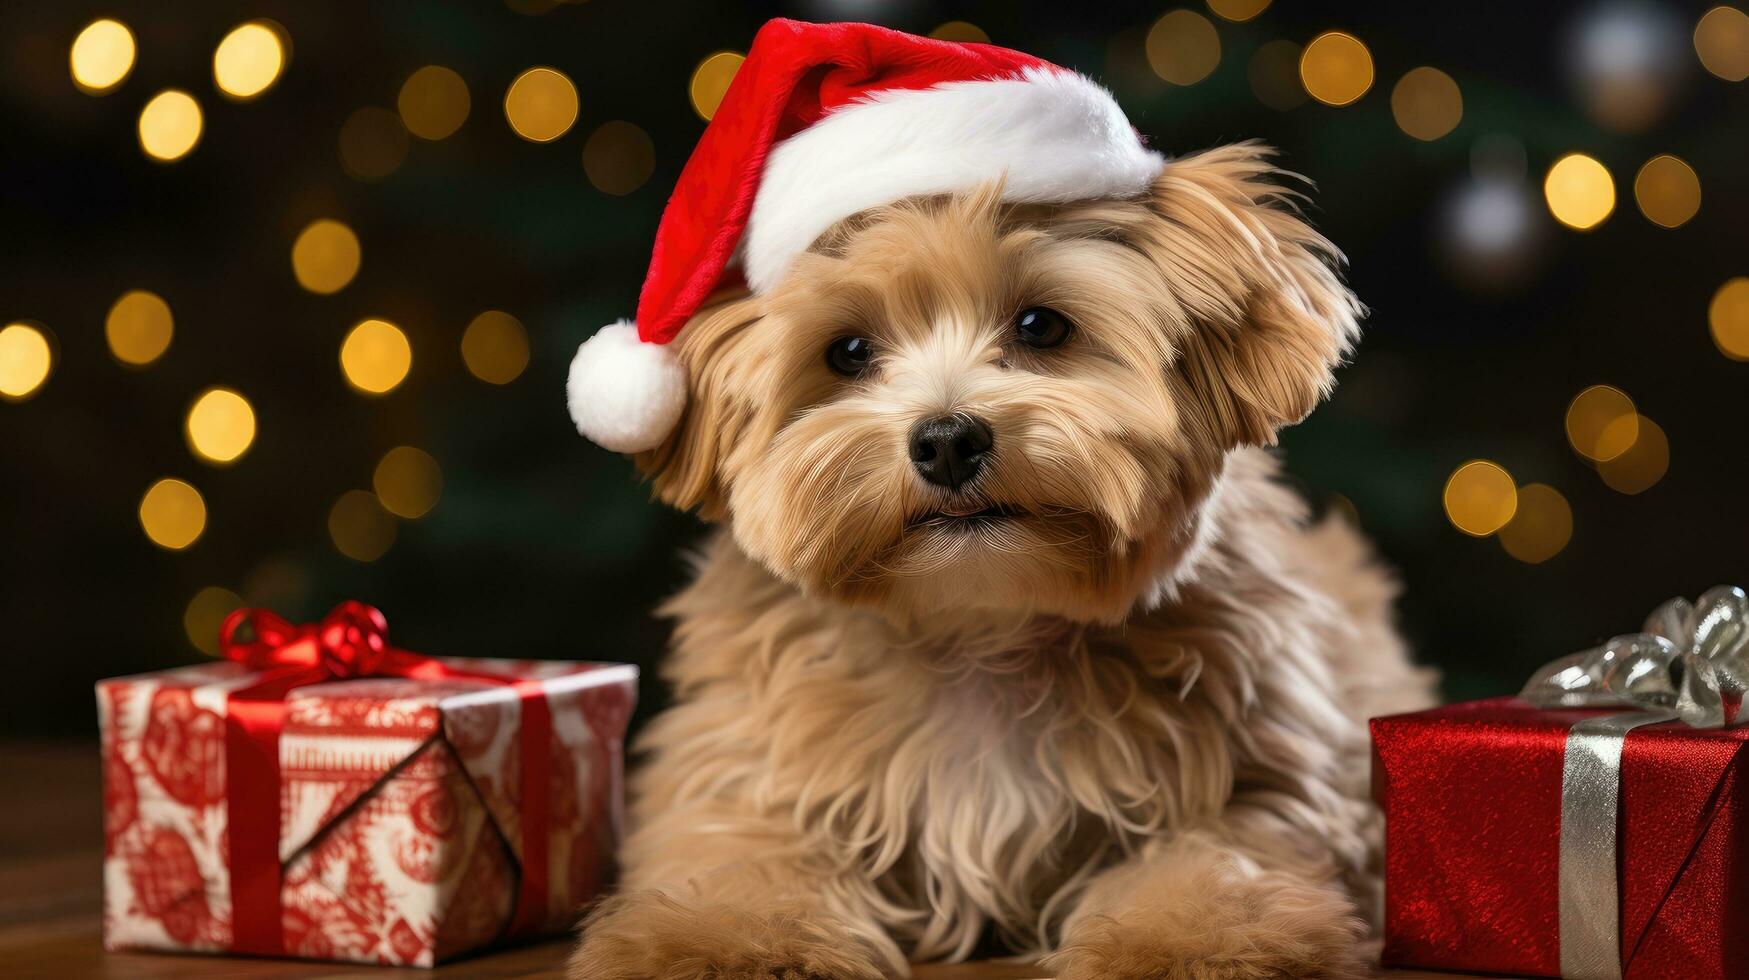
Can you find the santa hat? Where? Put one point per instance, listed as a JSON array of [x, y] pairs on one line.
[[823, 121]]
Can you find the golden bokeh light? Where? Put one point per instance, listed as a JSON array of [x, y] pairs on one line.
[[1480, 498], [375, 356], [102, 56], [170, 125], [1592, 423], [1721, 39], [173, 514], [541, 104], [1541, 526], [1644, 463], [433, 103], [408, 482], [1238, 11], [220, 426], [325, 256], [495, 347], [206, 614], [1183, 47], [962, 31], [362, 530], [249, 60], [1667, 191], [139, 328], [373, 144], [619, 157], [26, 358], [1274, 73], [1336, 68], [710, 82], [1426, 103], [1728, 316], [1579, 191]]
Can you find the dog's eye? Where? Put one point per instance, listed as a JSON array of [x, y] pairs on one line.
[[1041, 327], [849, 356]]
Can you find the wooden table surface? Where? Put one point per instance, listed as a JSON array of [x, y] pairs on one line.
[[50, 895]]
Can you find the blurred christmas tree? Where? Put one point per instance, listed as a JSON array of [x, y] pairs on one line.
[[322, 271]]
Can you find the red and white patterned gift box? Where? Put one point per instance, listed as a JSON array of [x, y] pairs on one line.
[[402, 825]]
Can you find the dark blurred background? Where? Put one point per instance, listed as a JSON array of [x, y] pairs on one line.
[[337, 179]]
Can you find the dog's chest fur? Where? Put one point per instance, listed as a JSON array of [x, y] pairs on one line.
[[980, 778]]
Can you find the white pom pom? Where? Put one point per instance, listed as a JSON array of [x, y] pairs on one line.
[[625, 395]]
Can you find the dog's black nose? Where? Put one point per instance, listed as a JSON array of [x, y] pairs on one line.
[[949, 450]]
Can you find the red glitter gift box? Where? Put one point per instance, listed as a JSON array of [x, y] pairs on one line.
[[1473, 796], [322, 795]]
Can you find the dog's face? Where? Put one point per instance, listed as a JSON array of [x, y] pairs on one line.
[[957, 403]]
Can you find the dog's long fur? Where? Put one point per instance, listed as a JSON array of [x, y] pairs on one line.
[[1124, 728]]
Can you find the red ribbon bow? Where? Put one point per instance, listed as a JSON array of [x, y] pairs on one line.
[[352, 641]]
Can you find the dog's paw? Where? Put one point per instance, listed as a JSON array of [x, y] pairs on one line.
[[1278, 929], [654, 936]]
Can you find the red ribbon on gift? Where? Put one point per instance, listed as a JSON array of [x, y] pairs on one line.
[[352, 641]]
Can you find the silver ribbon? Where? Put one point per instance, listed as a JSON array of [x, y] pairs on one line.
[[1690, 664]]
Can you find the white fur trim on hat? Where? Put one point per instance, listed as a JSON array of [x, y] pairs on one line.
[[625, 395], [1053, 135]]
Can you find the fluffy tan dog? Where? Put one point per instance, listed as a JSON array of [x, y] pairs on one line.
[[1009, 628]]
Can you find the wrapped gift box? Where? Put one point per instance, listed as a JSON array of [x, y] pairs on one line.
[[1473, 801], [402, 825]]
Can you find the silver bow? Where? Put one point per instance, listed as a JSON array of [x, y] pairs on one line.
[[1691, 660]]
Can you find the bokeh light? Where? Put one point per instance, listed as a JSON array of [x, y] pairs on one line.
[[1728, 316], [962, 31], [433, 103], [220, 426], [1625, 60], [619, 157], [1491, 232], [170, 125], [495, 347], [375, 356], [1426, 103], [1480, 498], [279, 582], [362, 530], [139, 328], [102, 56], [541, 104], [1579, 191], [373, 144], [206, 614], [1274, 73], [1667, 191], [325, 256], [1721, 39], [26, 358], [1644, 463], [408, 482], [710, 82], [249, 60], [1238, 11], [172, 514], [1540, 527], [1183, 47], [1592, 423], [1336, 68]]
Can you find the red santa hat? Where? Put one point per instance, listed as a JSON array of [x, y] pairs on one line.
[[823, 121]]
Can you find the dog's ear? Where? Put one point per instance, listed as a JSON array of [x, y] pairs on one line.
[[1272, 316], [687, 468]]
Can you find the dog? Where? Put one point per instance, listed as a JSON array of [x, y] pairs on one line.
[[1008, 629]]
